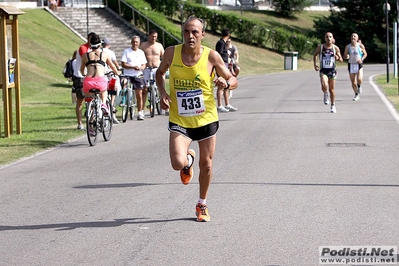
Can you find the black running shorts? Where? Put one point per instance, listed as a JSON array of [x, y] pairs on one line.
[[331, 73], [196, 134]]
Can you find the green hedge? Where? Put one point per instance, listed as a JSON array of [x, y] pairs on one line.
[[244, 30], [254, 32]]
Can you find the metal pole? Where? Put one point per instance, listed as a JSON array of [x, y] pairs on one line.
[[181, 20], [387, 8], [397, 43], [87, 16], [394, 50]]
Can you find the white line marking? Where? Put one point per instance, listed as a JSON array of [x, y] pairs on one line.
[[384, 99]]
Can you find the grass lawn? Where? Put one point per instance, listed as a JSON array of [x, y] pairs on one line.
[[391, 89], [47, 111]]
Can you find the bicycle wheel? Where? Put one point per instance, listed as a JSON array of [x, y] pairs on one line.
[[125, 106], [91, 122], [158, 102], [152, 99], [133, 104], [107, 122]]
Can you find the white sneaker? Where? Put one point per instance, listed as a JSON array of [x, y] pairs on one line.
[[357, 97], [326, 101], [231, 108], [333, 109], [80, 127], [140, 115], [222, 109], [114, 120]]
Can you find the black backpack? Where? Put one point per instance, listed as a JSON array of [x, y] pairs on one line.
[[68, 69]]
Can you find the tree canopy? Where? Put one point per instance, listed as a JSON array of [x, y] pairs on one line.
[[288, 8]]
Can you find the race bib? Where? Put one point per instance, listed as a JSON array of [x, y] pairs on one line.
[[190, 103], [354, 68], [328, 63]]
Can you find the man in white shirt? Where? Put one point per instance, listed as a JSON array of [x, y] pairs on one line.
[[133, 64]]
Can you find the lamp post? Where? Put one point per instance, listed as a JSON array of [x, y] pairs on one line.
[[87, 17], [397, 41], [387, 8], [181, 19]]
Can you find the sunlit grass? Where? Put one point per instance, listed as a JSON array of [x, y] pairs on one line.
[[391, 89]]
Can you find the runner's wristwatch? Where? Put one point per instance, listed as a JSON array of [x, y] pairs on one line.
[[228, 84]]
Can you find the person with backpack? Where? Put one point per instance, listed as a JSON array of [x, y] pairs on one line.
[[68, 69], [68, 73], [78, 79]]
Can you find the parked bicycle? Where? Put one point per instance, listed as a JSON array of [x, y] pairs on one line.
[[128, 98], [97, 120], [113, 91], [153, 94]]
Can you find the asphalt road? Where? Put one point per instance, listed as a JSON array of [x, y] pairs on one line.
[[289, 177]]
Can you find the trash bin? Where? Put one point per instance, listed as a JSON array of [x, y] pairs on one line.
[[290, 60]]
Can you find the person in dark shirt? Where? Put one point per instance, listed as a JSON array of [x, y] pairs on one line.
[[222, 49]]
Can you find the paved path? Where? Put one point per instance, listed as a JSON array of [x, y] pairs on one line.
[[289, 177]]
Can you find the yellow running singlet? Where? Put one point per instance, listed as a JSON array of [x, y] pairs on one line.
[[191, 89]]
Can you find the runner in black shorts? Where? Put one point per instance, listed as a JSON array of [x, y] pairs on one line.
[[328, 53], [330, 73], [196, 134]]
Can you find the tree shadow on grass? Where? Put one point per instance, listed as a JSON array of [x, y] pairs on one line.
[[61, 85], [41, 144]]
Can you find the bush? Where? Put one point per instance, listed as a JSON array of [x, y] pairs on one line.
[[245, 30]]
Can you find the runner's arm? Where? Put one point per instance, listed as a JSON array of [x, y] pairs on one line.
[[315, 55], [160, 76]]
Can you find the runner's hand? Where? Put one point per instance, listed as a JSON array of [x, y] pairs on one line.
[[165, 101]]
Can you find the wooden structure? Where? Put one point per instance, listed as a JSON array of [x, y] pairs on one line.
[[9, 73]]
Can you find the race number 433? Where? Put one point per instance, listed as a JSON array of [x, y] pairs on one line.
[[190, 103]]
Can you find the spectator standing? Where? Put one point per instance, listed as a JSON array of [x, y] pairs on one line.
[[106, 48], [153, 51], [73, 64], [222, 49], [234, 57], [355, 53], [53, 5], [193, 114], [133, 63], [328, 54], [78, 79]]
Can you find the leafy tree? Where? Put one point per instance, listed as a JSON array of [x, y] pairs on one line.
[[366, 18], [168, 7], [288, 8]]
